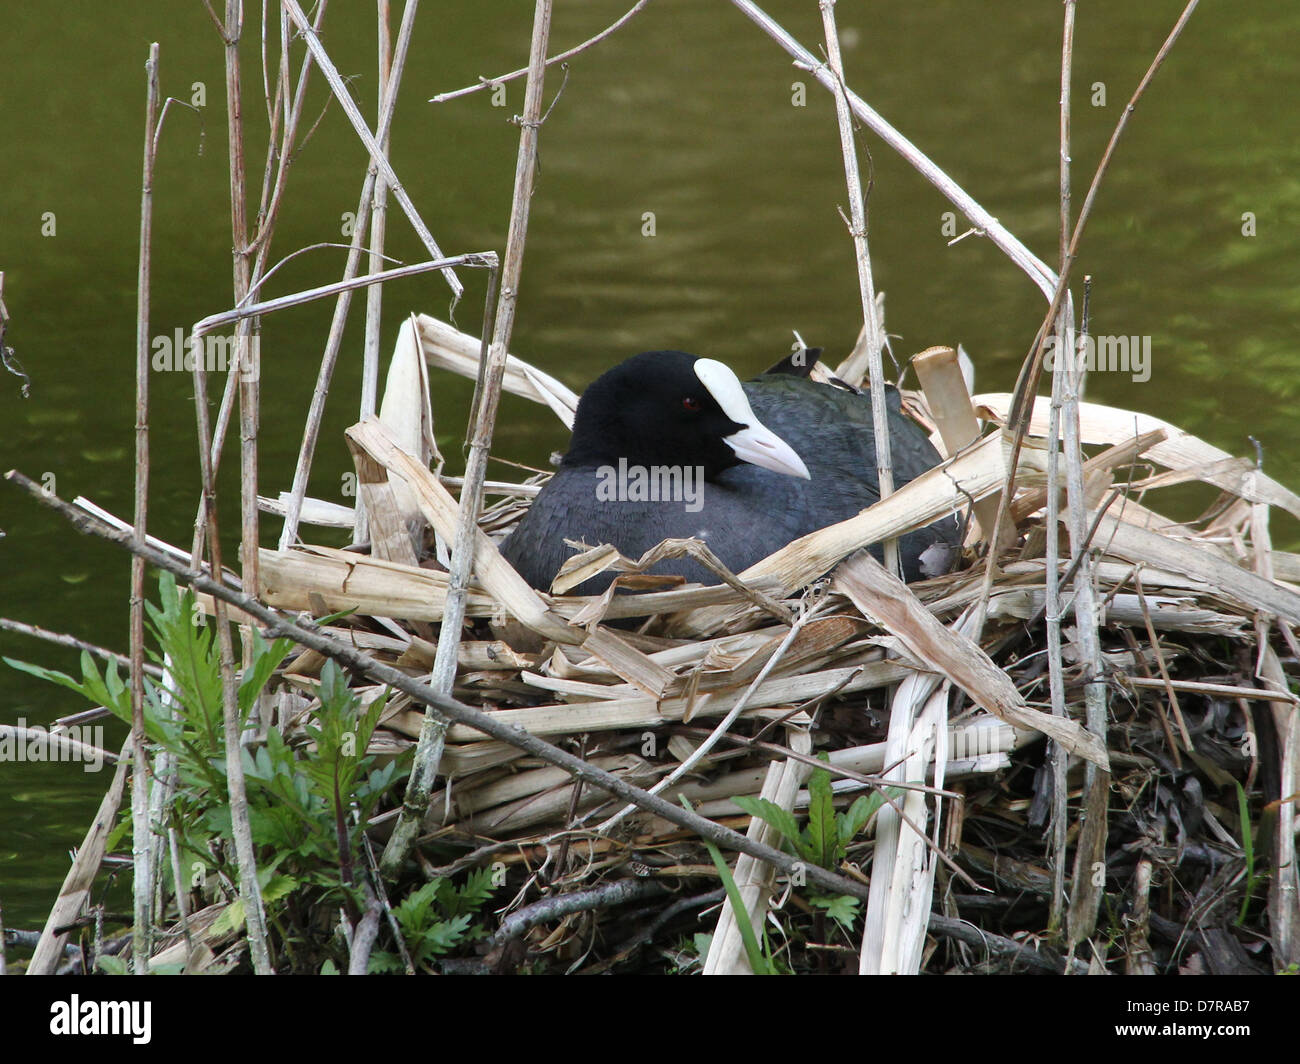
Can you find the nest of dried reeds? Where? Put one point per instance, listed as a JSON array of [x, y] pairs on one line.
[[937, 696]]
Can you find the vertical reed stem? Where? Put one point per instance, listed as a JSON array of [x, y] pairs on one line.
[[858, 228], [142, 885], [1059, 757], [428, 752]]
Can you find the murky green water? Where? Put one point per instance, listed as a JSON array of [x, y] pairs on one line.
[[687, 113]]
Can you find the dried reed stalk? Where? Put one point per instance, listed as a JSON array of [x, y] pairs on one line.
[[245, 856], [873, 333], [267, 214], [950, 404], [75, 891], [952, 653], [378, 221], [756, 880], [1090, 846], [902, 868], [1180, 451], [1056, 672], [141, 840], [1284, 885]]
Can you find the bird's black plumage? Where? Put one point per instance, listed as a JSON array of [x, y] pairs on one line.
[[654, 411]]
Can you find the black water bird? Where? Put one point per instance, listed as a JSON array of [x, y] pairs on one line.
[[668, 445]]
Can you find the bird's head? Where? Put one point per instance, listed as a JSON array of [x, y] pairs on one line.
[[669, 408]]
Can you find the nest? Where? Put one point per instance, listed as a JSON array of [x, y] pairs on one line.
[[1144, 835]]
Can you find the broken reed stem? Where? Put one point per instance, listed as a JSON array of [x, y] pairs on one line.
[[433, 730], [866, 284], [351, 659], [334, 342], [377, 156], [74, 892], [1090, 853], [142, 881], [485, 83], [378, 217], [1056, 670], [1027, 382]]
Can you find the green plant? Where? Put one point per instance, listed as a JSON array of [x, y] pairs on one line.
[[436, 919], [825, 839], [308, 801]]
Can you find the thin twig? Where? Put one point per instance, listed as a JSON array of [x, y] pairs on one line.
[[72, 642], [1003, 948], [618, 892], [488, 83], [485, 259], [1164, 672]]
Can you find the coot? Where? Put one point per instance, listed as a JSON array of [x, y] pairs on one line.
[[670, 445]]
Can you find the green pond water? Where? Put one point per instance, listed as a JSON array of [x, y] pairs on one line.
[[688, 113]]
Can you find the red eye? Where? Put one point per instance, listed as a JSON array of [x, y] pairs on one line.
[[691, 403]]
